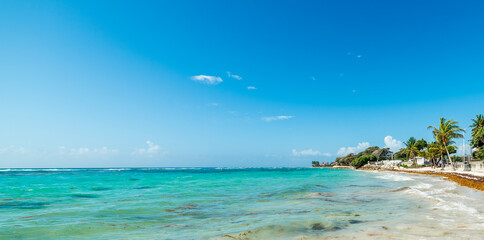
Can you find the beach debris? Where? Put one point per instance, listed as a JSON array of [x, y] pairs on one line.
[[399, 189], [240, 236], [229, 236], [384, 227]]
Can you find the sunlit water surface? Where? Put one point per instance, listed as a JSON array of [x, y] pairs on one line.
[[214, 203]]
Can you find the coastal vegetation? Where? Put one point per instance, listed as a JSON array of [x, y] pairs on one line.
[[373, 153], [445, 133], [477, 135], [438, 152], [361, 161]]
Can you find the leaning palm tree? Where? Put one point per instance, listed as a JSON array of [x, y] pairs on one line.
[[441, 148], [445, 133], [411, 149], [477, 131]]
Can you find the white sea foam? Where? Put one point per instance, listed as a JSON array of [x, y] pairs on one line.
[[395, 177], [423, 186]]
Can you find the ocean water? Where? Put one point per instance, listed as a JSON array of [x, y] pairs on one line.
[[218, 203]]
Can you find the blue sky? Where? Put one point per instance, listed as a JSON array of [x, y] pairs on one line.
[[230, 83]]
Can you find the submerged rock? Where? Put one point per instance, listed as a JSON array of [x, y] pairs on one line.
[[317, 226], [100, 188], [80, 195], [352, 221], [24, 204]]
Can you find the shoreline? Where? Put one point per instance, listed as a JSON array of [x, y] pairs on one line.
[[472, 180]]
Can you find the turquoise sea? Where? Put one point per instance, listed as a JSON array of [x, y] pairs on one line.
[[223, 203]]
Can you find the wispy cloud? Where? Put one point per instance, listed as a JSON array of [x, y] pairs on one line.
[[213, 104], [13, 150], [393, 144], [274, 118], [230, 75], [347, 150], [310, 152], [150, 151], [251, 88], [354, 54], [83, 151], [212, 80]]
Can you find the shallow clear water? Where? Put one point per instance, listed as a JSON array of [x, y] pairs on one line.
[[211, 203]]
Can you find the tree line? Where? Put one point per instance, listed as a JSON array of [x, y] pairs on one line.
[[440, 149]]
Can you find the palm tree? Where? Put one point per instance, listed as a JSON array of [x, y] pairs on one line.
[[441, 148], [445, 133], [432, 152], [477, 131], [411, 149]]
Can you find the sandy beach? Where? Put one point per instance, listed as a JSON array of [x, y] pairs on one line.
[[469, 179]]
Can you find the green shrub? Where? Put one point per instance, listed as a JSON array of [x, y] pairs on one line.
[[479, 154], [360, 161]]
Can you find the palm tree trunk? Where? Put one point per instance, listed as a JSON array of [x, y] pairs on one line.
[[442, 159], [448, 155]]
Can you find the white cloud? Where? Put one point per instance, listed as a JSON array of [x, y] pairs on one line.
[[354, 54], [392, 143], [274, 118], [234, 76], [212, 80], [310, 152], [84, 151], [347, 150], [251, 88], [150, 151], [13, 150], [213, 104]]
